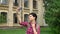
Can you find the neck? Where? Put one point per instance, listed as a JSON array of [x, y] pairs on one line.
[[33, 22]]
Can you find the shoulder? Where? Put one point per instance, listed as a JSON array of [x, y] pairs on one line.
[[24, 22], [37, 26]]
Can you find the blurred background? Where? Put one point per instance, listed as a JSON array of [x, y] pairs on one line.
[[48, 12]]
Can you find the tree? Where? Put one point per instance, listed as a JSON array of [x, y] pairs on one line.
[[52, 15]]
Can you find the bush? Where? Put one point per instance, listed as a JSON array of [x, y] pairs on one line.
[[52, 15]]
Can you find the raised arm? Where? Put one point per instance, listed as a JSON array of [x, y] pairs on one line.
[[19, 19], [18, 15]]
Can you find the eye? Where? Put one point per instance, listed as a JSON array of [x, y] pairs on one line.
[[30, 15]]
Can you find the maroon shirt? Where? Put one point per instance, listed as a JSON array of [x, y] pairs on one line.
[[29, 28]]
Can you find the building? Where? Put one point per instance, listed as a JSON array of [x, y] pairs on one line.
[[8, 10]]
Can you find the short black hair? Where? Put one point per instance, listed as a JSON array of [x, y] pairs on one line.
[[34, 15]]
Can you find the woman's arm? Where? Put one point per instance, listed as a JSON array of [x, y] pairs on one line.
[[19, 19], [34, 28], [18, 15]]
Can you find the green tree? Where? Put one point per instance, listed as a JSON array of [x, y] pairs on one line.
[[52, 15]]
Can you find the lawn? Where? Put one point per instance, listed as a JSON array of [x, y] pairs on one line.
[[44, 30]]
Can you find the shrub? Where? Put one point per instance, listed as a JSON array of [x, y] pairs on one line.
[[52, 15]]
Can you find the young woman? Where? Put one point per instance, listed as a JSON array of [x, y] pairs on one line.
[[32, 27]]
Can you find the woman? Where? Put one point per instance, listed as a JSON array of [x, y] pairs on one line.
[[32, 27]]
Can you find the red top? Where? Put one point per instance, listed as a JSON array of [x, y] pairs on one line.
[[29, 28]]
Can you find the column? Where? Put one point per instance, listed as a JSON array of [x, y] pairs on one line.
[[40, 12], [22, 12], [31, 5], [10, 14]]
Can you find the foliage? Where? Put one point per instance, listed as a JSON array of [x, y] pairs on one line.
[[52, 15]]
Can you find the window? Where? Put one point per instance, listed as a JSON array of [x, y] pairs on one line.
[[15, 18], [3, 2], [25, 3], [15, 3], [34, 4], [0, 1], [3, 17], [25, 17]]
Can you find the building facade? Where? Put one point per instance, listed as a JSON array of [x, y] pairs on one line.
[[8, 11]]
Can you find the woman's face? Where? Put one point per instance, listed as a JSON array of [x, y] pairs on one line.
[[31, 17]]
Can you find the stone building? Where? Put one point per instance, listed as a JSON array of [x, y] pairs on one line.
[[8, 9]]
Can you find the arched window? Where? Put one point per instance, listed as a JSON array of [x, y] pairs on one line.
[[34, 4], [3, 17]]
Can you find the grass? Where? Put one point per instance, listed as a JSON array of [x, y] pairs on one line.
[[12, 31], [44, 30]]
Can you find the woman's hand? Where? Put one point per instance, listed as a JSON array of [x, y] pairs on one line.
[[18, 9], [34, 28]]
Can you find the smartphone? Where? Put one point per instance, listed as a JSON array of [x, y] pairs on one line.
[[20, 8]]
